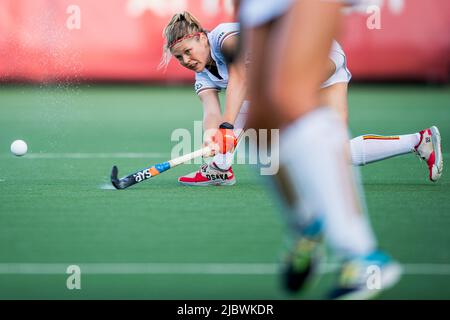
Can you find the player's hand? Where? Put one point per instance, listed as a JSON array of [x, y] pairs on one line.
[[224, 138], [213, 147], [208, 141]]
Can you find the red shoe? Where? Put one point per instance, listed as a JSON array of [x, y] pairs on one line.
[[429, 149], [209, 175]]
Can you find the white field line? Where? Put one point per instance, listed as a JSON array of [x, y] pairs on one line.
[[91, 155], [192, 268], [104, 155]]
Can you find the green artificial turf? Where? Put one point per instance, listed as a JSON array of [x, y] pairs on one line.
[[57, 207]]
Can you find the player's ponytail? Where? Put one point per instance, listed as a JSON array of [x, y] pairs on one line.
[[180, 26]]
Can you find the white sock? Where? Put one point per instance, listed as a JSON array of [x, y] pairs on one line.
[[370, 148], [224, 161], [315, 159]]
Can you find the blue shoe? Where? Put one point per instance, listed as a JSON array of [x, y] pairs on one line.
[[302, 261], [366, 277], [300, 264]]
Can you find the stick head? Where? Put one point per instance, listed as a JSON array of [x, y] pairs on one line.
[[121, 183], [114, 180]]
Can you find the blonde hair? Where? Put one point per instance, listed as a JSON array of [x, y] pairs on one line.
[[181, 25]]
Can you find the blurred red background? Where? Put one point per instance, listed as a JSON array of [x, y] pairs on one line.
[[122, 39]]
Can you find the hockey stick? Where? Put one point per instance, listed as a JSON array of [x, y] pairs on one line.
[[156, 169]]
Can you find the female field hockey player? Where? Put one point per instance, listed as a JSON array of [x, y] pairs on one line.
[[205, 53], [291, 41]]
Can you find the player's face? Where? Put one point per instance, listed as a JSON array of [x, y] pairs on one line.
[[192, 53]]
